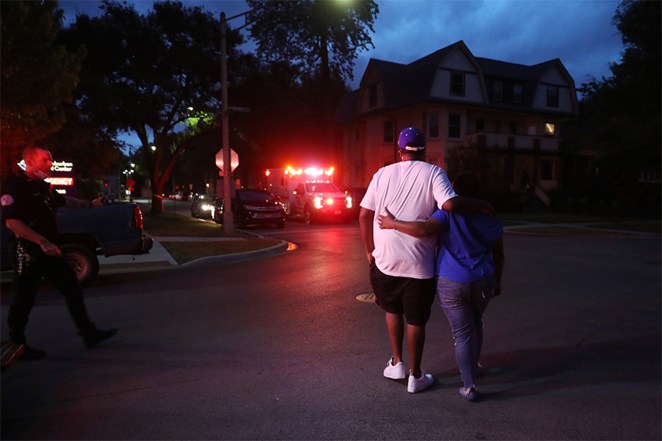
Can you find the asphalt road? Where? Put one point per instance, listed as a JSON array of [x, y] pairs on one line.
[[281, 348]]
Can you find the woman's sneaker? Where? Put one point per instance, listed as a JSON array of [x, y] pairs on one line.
[[419, 384], [394, 371], [469, 393]]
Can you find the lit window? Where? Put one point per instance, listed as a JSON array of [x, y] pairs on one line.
[[457, 84], [550, 129]]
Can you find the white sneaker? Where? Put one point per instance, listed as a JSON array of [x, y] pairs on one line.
[[419, 384], [394, 371]]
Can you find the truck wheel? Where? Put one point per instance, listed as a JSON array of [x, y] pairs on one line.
[[83, 261]]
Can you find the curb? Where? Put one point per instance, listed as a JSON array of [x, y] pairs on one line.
[[202, 261], [239, 257]]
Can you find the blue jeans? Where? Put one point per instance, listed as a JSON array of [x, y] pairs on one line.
[[464, 305]]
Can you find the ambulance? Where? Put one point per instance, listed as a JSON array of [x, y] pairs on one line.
[[309, 193]]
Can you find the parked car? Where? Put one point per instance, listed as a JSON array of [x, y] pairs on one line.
[[179, 196], [253, 207], [110, 230], [203, 206]]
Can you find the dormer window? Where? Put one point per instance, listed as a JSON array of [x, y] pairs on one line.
[[553, 96], [517, 93], [497, 92], [457, 84]]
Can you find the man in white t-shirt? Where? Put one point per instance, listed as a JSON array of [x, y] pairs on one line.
[[402, 267]]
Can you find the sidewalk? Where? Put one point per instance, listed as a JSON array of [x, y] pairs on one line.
[[158, 257]]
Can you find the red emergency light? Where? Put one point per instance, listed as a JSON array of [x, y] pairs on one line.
[[313, 172]]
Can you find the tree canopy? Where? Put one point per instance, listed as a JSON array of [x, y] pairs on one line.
[[148, 74], [621, 114], [624, 110], [38, 76], [313, 36], [319, 40]]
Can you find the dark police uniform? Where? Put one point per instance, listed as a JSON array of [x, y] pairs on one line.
[[33, 202]]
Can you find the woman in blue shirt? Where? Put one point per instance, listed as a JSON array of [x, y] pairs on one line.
[[469, 266]]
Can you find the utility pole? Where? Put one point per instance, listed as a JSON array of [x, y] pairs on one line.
[[228, 221]]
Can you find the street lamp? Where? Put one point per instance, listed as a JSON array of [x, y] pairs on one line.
[[127, 173], [228, 223]]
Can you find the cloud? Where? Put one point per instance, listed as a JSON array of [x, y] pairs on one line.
[[578, 32]]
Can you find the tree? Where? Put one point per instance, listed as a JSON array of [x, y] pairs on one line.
[[621, 114], [282, 125], [38, 76], [148, 74], [318, 38]]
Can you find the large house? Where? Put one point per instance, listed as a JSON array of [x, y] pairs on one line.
[[498, 119]]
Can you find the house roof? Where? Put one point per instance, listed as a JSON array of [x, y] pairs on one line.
[[413, 81], [408, 84]]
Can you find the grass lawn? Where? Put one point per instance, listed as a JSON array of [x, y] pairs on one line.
[[170, 224]]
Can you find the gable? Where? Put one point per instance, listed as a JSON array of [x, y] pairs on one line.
[[377, 85], [459, 66], [553, 81]]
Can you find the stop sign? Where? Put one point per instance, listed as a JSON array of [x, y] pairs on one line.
[[234, 160]]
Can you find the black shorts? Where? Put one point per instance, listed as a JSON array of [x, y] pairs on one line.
[[404, 295]]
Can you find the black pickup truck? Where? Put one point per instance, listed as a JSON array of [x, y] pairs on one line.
[[84, 234]]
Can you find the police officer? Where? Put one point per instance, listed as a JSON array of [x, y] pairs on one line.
[[28, 210]]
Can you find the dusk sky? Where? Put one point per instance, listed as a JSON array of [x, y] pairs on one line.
[[578, 32]]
